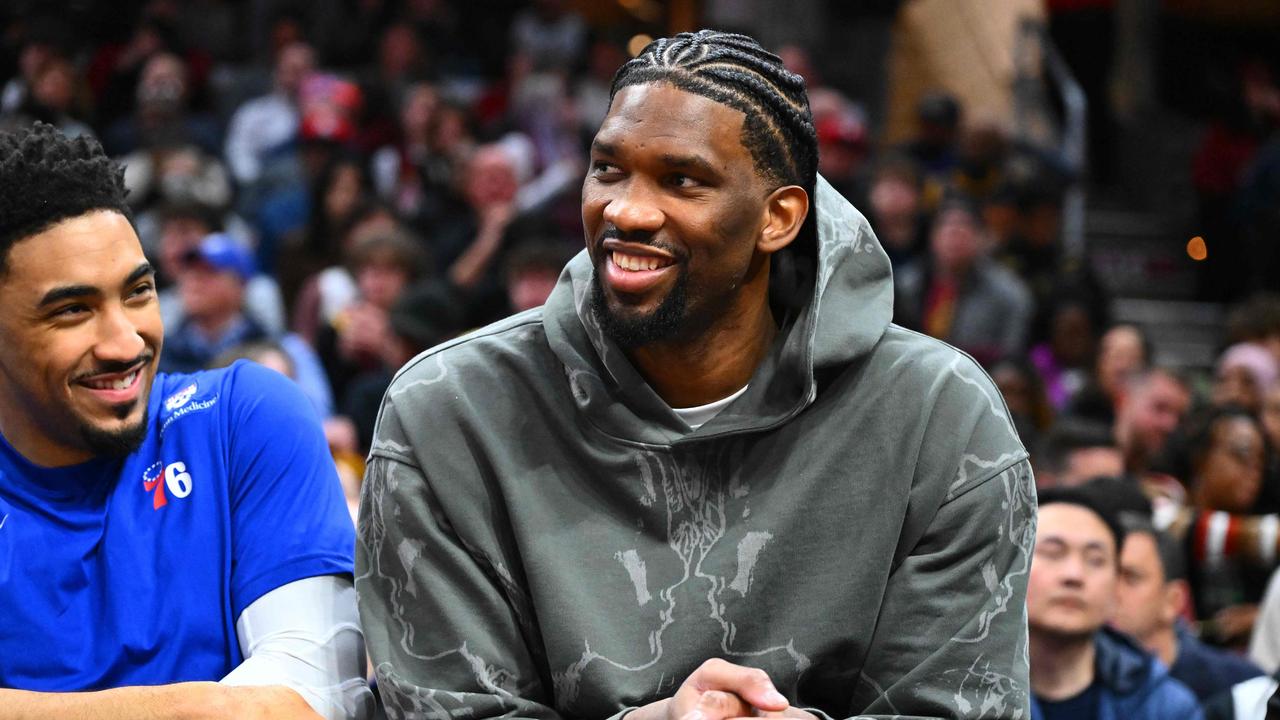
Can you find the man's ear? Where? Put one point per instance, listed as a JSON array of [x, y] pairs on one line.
[[1177, 597], [785, 211]]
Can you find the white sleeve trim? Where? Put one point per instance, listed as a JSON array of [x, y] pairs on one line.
[[306, 635]]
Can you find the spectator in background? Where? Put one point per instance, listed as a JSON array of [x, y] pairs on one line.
[[1152, 599], [411, 175], [267, 125], [959, 294], [338, 196], [52, 97], [1076, 451], [355, 341], [1257, 320], [162, 116], [181, 228], [531, 270], [116, 69], [981, 151], [1024, 396], [1123, 352], [548, 36], [211, 286], [1064, 359], [1153, 406], [1228, 455], [423, 316], [895, 209], [1244, 376], [934, 149], [43, 39], [1079, 669]]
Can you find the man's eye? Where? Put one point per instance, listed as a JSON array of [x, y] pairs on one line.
[[144, 290], [70, 311], [603, 168], [683, 181]]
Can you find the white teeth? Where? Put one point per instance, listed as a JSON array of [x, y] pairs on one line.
[[121, 384], [634, 263]]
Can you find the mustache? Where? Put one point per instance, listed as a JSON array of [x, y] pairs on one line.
[[109, 367], [640, 237]]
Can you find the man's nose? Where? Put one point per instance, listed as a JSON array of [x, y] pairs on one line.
[[119, 338], [634, 209]]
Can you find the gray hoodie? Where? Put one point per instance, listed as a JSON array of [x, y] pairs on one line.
[[542, 537]]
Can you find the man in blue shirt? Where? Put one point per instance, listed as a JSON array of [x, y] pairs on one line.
[[1079, 670], [1152, 597], [157, 532]]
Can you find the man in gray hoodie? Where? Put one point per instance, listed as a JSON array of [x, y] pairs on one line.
[[708, 478]]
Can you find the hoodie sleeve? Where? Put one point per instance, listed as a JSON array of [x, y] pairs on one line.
[[951, 640], [444, 637]]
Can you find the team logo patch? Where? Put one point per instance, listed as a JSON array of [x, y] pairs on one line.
[[174, 477], [180, 398]]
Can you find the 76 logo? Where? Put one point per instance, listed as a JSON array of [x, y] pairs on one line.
[[175, 478]]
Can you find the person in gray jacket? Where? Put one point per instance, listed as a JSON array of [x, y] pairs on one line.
[[709, 478]]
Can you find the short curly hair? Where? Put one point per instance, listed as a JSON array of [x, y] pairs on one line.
[[46, 177]]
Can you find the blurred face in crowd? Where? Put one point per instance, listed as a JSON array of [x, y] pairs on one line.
[[491, 177], [1146, 603], [163, 85], [419, 108], [895, 197], [1229, 474], [678, 222], [1086, 463], [82, 335], [399, 51], [531, 287], [208, 294], [381, 280], [1150, 412], [295, 62], [1120, 355], [1071, 590], [1237, 385], [956, 241], [1071, 335], [55, 85], [345, 187], [178, 237]]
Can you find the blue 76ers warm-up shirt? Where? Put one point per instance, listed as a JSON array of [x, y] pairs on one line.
[[134, 571]]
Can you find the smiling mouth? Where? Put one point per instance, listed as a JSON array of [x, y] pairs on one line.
[[637, 263], [122, 383]]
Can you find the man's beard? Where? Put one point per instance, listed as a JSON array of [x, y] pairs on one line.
[[115, 443], [631, 332]]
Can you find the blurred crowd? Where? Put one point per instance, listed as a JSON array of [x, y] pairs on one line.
[[330, 188]]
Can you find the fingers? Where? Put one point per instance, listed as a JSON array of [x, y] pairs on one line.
[[751, 684], [717, 705]]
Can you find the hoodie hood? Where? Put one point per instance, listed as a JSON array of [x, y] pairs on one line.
[[848, 312]]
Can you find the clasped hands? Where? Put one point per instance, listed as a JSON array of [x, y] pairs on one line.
[[720, 690]]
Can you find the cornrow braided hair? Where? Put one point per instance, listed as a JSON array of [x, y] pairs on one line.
[[46, 177], [778, 131], [736, 71]]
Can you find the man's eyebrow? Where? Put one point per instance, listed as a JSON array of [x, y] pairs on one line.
[[603, 148], [70, 292], [695, 162], [144, 269]]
